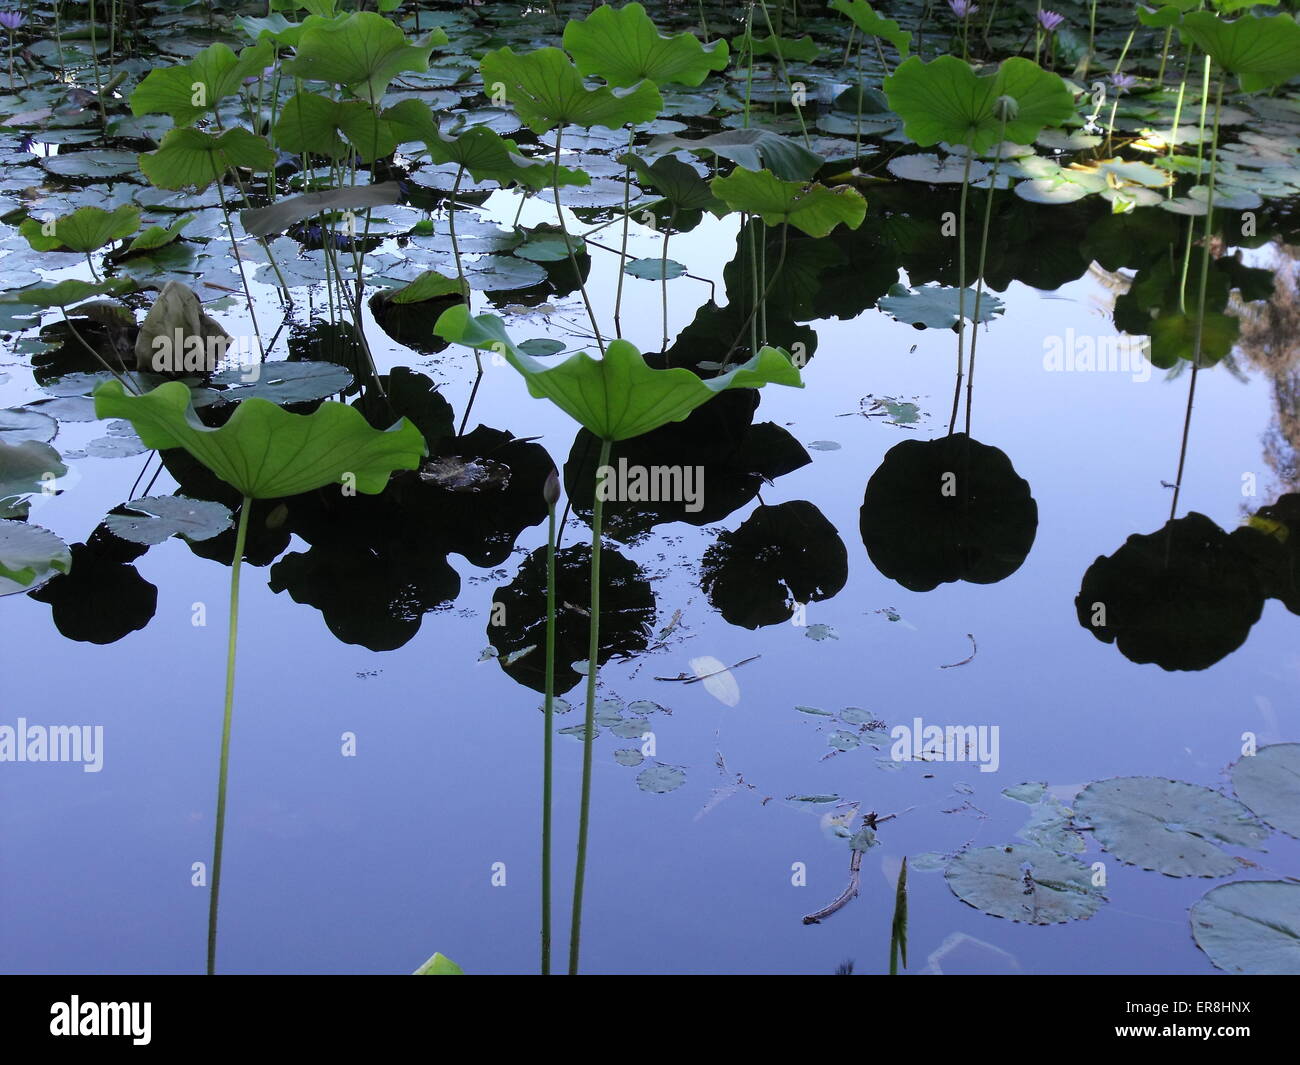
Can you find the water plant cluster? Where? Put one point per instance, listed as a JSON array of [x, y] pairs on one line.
[[240, 215]]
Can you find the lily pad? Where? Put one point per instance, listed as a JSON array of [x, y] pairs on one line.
[[1024, 883], [162, 517], [937, 306], [1169, 826], [1269, 783], [29, 556], [654, 269], [661, 779], [1250, 927]]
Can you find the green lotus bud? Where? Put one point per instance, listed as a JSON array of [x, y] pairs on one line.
[[1006, 108]]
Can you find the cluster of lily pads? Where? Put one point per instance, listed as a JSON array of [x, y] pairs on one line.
[[318, 157]]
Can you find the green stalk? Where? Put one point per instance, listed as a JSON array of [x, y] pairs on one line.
[[979, 283], [898, 930], [240, 538], [573, 258], [1198, 336], [961, 288], [548, 743], [593, 653], [627, 210]]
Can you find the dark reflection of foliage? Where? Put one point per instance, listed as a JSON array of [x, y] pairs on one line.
[[483, 526], [782, 555], [267, 534], [102, 598], [627, 613], [714, 331], [734, 458], [86, 345], [947, 510], [336, 342], [404, 393], [1271, 539], [411, 324], [1184, 597], [372, 590]]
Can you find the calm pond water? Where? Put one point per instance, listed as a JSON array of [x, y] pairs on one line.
[[386, 767]]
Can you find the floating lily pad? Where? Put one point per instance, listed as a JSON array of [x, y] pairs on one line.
[[660, 779], [1269, 783], [654, 269], [937, 306], [1169, 826], [1250, 927], [29, 556], [629, 756], [1024, 883], [162, 517], [932, 169]]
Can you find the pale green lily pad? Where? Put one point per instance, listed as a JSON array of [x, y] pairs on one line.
[[29, 556], [25, 468], [1024, 883], [1269, 783], [629, 756], [162, 517], [931, 169], [654, 269], [937, 306], [661, 779], [1169, 826], [821, 632], [1251, 927]]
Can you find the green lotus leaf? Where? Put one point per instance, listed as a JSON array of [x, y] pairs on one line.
[[439, 965], [804, 49], [619, 396], [624, 46], [483, 152], [160, 236], [812, 208], [64, 293], [866, 19], [87, 229], [313, 123], [1262, 50], [190, 159], [546, 90], [275, 27], [194, 89], [363, 52], [754, 149], [430, 285], [30, 556], [264, 451], [1167, 15], [677, 183], [946, 101]]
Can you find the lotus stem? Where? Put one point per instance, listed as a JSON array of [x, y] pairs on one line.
[[961, 288], [1198, 335], [979, 282], [548, 742], [573, 258], [627, 208], [241, 537], [589, 719]]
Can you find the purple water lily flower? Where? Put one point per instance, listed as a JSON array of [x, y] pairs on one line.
[[1123, 82], [963, 8], [12, 20], [1049, 20]]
